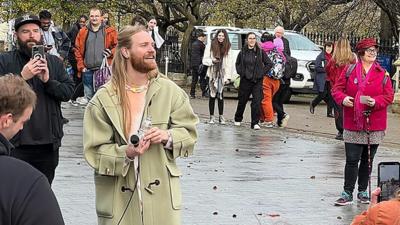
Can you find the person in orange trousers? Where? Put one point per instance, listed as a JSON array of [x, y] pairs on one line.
[[270, 87]]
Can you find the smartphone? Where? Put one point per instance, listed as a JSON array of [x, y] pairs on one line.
[[388, 179], [38, 51], [364, 99]]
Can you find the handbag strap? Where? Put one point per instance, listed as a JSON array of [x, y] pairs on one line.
[[104, 63]]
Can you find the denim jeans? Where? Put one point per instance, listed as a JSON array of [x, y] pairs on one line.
[[88, 89], [357, 153]]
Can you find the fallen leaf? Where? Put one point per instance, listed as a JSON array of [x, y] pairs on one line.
[[274, 215]]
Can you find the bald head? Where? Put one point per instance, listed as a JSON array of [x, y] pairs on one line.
[[279, 31]]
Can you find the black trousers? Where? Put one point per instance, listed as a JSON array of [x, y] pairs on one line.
[[338, 117], [326, 96], [278, 100], [196, 77], [247, 88], [211, 105], [78, 91], [43, 157], [356, 153]]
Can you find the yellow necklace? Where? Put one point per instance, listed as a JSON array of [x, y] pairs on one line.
[[137, 89]]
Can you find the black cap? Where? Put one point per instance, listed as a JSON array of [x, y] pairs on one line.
[[25, 20]]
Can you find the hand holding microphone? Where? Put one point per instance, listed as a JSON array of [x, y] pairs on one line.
[[136, 146]]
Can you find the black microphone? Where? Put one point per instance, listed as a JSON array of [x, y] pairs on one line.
[[123, 189], [135, 140]]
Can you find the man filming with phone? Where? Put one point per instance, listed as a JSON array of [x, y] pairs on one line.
[[39, 141]]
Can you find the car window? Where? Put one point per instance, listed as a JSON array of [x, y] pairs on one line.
[[299, 42]]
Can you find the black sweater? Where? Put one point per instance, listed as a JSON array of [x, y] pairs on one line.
[[252, 64]]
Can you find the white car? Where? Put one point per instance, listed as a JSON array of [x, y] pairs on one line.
[[302, 48], [305, 51]]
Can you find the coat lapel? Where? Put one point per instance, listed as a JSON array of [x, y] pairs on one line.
[[112, 107]]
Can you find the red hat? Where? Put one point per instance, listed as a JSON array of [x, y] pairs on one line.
[[366, 43]]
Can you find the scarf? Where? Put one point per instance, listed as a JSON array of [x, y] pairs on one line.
[[361, 82]]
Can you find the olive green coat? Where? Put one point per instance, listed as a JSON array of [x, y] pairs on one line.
[[104, 150]]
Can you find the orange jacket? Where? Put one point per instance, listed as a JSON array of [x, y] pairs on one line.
[[80, 43], [383, 213]]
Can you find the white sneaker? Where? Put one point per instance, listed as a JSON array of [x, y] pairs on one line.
[[82, 101], [212, 120], [222, 120], [236, 124], [74, 103], [256, 127], [285, 120], [269, 124]]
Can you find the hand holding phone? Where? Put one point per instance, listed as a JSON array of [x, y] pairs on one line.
[[38, 52], [388, 179]]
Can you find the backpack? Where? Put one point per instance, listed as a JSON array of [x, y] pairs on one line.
[[351, 68], [290, 68], [277, 70]]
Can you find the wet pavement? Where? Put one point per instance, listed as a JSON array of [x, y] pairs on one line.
[[236, 176]]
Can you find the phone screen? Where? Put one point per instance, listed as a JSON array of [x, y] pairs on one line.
[[388, 179]]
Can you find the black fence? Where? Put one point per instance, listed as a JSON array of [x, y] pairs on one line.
[[388, 48], [170, 49]]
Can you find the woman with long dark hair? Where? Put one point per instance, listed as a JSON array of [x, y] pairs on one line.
[[218, 58]]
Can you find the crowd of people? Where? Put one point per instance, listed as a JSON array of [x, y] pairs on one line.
[[140, 116]]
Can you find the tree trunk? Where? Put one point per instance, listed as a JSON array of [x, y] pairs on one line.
[[386, 27], [185, 45]]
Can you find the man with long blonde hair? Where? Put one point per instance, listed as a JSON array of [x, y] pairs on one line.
[[134, 128]]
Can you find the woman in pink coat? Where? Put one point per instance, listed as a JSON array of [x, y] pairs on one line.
[[367, 88]]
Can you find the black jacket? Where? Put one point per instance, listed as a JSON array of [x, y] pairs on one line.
[[286, 47], [197, 53], [252, 64], [45, 125], [62, 42], [25, 194], [72, 33], [320, 73]]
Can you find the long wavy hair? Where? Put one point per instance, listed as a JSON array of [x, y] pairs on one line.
[[342, 53], [217, 50], [120, 64]]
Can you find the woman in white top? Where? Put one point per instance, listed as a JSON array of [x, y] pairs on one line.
[[221, 66]]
